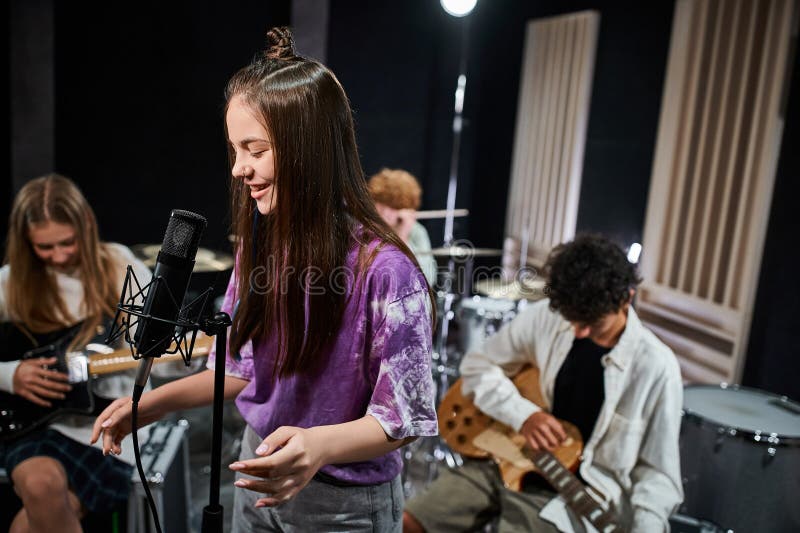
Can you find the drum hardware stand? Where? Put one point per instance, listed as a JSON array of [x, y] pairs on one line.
[[523, 248], [440, 369], [443, 375], [440, 352], [432, 449]]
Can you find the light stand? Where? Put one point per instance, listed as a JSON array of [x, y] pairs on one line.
[[450, 277], [443, 373], [457, 8], [458, 126]]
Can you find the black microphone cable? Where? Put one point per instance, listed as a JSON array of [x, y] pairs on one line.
[[137, 394]]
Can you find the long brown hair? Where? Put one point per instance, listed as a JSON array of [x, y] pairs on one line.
[[33, 296], [321, 199]]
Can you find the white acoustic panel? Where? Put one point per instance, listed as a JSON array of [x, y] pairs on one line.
[[718, 140], [552, 115]]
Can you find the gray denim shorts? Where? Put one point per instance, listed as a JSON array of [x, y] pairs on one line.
[[320, 506]]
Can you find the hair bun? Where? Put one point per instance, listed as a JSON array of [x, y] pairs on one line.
[[280, 44]]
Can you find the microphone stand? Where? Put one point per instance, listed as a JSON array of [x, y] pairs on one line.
[[216, 326], [213, 512]]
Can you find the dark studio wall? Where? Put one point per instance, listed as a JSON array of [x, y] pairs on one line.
[[139, 107], [139, 104], [5, 150], [773, 355], [626, 98], [139, 110], [399, 67], [400, 64]]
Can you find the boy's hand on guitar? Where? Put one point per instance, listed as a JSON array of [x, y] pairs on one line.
[[543, 431], [36, 383]]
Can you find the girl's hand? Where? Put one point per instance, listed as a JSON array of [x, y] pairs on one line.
[[38, 384], [114, 423], [290, 457]]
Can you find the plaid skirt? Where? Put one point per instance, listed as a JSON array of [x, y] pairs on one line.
[[101, 482]]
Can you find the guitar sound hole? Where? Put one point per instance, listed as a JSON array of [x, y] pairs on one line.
[[467, 421]]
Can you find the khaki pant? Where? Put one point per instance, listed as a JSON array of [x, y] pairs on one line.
[[468, 498]]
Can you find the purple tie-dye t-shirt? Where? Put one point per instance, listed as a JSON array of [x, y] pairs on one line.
[[379, 365]]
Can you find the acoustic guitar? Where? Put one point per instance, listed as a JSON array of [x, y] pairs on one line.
[[19, 416], [473, 434]]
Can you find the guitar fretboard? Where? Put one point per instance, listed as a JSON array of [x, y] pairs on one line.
[[121, 359], [573, 491]]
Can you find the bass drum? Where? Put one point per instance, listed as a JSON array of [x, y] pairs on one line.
[[740, 458], [480, 317]]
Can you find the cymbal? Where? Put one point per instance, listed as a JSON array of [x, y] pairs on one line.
[[463, 252], [511, 290], [205, 261]]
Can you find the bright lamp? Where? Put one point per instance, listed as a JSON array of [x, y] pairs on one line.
[[458, 8]]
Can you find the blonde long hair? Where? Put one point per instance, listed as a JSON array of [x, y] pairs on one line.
[[33, 296]]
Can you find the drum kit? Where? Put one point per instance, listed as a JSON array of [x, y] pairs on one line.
[[464, 319], [205, 261], [740, 458]]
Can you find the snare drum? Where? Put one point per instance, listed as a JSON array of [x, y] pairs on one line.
[[740, 458], [480, 317]]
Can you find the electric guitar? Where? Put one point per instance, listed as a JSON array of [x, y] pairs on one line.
[[19, 416], [472, 433]]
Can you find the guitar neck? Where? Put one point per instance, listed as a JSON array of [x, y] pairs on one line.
[[573, 490], [120, 360]]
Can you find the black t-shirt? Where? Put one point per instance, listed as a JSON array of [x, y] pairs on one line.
[[579, 390]]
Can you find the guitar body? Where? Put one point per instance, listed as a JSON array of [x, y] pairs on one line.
[[471, 433], [461, 422], [19, 416]]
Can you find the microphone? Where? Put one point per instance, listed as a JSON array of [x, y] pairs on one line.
[[162, 305]]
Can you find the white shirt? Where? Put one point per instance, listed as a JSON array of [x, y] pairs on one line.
[[632, 457], [70, 287]]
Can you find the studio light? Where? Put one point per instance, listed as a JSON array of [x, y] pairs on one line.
[[458, 8], [634, 252]]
